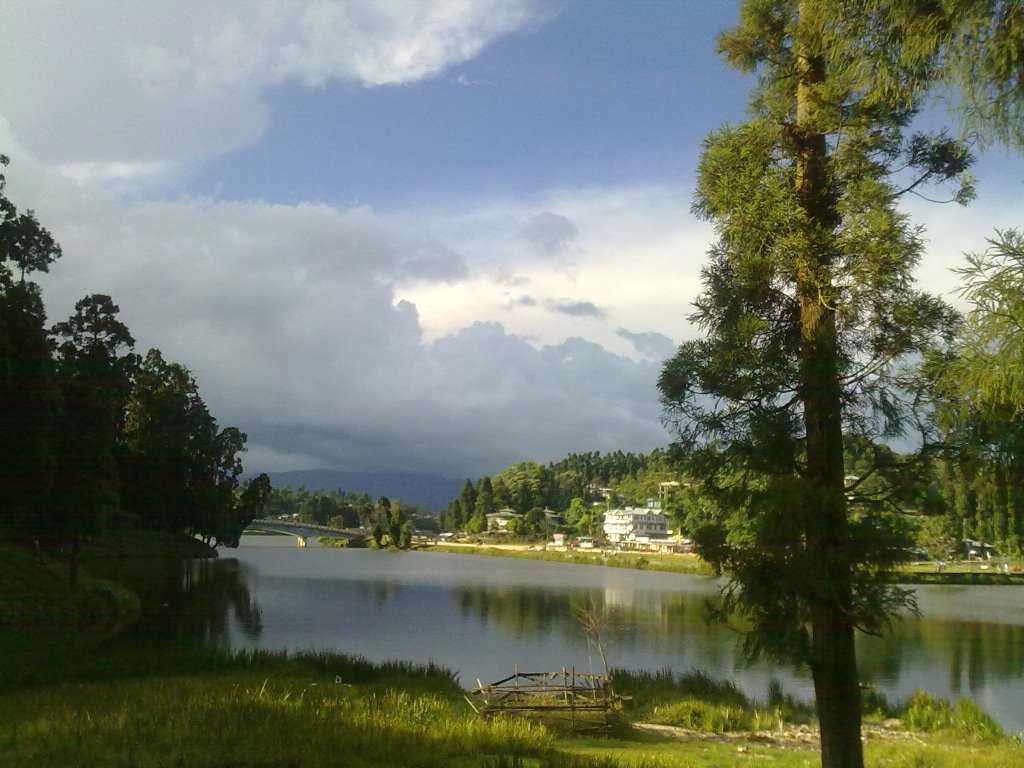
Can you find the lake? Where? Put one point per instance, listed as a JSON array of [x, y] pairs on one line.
[[483, 616]]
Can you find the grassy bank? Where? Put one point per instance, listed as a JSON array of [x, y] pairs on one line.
[[204, 708], [35, 587], [35, 591], [140, 544], [692, 564], [956, 574], [641, 561]]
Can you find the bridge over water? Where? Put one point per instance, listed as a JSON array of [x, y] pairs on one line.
[[303, 531]]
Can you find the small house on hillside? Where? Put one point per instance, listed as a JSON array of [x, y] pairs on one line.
[[977, 550], [498, 521]]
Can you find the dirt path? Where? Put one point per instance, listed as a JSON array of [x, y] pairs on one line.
[[790, 737]]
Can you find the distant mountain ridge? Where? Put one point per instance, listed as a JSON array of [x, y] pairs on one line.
[[430, 491]]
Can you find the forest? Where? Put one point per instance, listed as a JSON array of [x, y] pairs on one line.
[[96, 436], [971, 488]]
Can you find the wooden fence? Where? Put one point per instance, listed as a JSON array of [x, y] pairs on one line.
[[585, 701]]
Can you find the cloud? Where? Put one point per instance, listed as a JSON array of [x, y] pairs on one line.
[[574, 308], [550, 233], [502, 276], [293, 321], [636, 255], [650, 343], [467, 82], [343, 337], [107, 88], [114, 172]]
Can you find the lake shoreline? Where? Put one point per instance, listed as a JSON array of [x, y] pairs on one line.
[[694, 566], [639, 561], [35, 588]]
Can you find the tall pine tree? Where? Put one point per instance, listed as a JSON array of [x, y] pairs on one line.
[[810, 309]]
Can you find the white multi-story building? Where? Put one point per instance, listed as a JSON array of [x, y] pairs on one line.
[[633, 524]]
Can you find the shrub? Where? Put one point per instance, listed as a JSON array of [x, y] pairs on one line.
[[924, 712], [697, 715]]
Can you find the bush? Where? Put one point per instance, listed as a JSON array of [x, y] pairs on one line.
[[697, 715], [338, 542], [924, 712], [875, 705], [664, 686]]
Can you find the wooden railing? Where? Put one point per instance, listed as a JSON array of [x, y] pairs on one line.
[[586, 701]]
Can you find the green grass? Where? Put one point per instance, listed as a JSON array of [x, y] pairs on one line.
[[262, 709], [690, 564], [665, 753], [920, 575], [698, 702], [216, 708], [49, 663], [647, 689], [964, 719]]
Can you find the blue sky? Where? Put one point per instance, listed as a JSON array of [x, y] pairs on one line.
[[603, 93], [433, 235]]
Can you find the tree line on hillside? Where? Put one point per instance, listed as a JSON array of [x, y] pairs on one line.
[[93, 434], [559, 486], [972, 488]]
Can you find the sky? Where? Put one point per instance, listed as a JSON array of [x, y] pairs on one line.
[[417, 235]]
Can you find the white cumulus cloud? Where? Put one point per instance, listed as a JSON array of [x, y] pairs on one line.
[[108, 89]]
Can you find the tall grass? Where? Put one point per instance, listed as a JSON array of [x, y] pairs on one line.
[[696, 701], [647, 688], [270, 709], [965, 719], [51, 663], [260, 709], [254, 708], [567, 760]]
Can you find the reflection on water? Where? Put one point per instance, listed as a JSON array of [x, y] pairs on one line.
[[199, 602], [481, 616], [953, 657]]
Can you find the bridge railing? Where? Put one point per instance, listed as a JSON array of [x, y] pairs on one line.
[[289, 525]]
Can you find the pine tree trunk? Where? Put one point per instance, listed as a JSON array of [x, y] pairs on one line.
[[836, 689], [833, 655]]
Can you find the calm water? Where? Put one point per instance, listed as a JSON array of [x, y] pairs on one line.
[[484, 615]]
